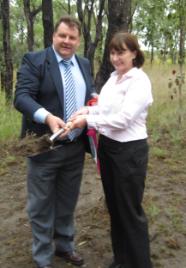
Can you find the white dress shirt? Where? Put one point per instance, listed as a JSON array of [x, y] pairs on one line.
[[122, 107]]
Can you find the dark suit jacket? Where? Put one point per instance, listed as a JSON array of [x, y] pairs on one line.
[[39, 84]]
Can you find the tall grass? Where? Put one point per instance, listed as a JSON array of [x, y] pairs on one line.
[[10, 120], [163, 115]]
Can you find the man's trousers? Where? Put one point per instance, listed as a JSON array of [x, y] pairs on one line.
[[53, 187]]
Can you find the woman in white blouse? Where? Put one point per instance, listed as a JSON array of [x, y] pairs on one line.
[[120, 118]]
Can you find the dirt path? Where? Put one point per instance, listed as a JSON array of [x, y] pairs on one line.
[[164, 201]]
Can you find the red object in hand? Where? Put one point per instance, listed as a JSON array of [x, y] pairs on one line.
[[93, 101], [91, 133]]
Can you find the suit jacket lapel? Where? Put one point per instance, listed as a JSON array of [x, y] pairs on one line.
[[53, 69]]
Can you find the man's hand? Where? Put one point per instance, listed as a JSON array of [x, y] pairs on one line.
[[55, 123]]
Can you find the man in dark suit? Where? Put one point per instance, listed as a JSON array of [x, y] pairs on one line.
[[54, 179]]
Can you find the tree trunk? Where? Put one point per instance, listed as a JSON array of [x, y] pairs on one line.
[[30, 25], [182, 18], [2, 68], [47, 17], [8, 73], [86, 16], [69, 7], [2, 83], [152, 54], [30, 16], [119, 18]]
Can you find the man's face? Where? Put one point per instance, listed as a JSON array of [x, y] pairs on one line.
[[66, 40]]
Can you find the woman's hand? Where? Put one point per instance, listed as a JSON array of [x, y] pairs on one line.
[[78, 121], [81, 111]]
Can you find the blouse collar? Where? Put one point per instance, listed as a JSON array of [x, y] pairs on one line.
[[132, 72]]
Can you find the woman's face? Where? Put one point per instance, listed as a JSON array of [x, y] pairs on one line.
[[122, 60]]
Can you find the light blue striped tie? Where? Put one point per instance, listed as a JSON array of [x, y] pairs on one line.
[[70, 94]]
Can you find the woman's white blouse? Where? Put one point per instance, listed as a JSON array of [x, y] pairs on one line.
[[122, 107]]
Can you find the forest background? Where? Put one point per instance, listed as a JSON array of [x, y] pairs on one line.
[[27, 25]]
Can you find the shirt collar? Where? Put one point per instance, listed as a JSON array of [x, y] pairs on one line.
[[132, 72], [59, 58]]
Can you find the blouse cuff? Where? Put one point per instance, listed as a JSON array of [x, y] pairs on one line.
[[91, 121], [92, 109]]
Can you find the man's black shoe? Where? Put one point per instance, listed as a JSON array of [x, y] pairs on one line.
[[71, 257]]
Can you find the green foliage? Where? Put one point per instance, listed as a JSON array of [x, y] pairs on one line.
[[158, 152], [9, 120], [153, 211], [18, 32], [158, 25], [61, 8]]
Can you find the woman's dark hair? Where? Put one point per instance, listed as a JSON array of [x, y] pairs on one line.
[[131, 43], [70, 21]]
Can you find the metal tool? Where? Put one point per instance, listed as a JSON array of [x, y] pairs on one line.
[[56, 135], [41, 156]]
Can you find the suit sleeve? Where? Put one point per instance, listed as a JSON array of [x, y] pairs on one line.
[[27, 87]]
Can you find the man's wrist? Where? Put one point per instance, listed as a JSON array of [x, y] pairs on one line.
[[40, 115], [48, 118]]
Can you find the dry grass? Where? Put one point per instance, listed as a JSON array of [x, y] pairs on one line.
[[164, 114]]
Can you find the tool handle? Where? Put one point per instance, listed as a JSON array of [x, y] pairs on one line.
[[56, 134]]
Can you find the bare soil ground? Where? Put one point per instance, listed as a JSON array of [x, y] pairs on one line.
[[164, 202]]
